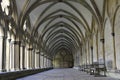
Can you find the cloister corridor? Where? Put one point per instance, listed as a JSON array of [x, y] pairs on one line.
[[59, 39]]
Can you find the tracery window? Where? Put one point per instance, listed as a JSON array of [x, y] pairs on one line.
[[5, 6]]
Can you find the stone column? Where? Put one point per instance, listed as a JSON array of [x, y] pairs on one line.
[[22, 57], [103, 48], [15, 55], [114, 62], [37, 60], [92, 54], [27, 56], [30, 57], [33, 59], [50, 63], [80, 55], [97, 48], [44, 61], [86, 55], [89, 53], [2, 53], [41, 61], [83, 55], [8, 55]]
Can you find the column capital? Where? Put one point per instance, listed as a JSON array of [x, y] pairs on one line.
[[37, 52], [113, 34], [91, 47], [22, 46], [9, 40], [30, 49], [102, 40], [15, 42]]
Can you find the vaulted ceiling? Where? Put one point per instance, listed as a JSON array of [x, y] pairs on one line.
[[59, 24]]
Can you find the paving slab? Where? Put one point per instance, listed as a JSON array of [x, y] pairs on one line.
[[64, 74]]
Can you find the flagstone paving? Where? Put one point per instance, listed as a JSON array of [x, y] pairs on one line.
[[64, 74]]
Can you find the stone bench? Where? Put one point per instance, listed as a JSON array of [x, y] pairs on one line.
[[87, 68], [99, 67]]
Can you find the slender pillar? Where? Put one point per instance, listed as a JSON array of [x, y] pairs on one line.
[[103, 48], [50, 63], [37, 59], [41, 61], [30, 57], [44, 61], [33, 59], [27, 58], [97, 48], [15, 55], [11, 57], [26, 51], [114, 63], [2, 53], [22, 57], [8, 55], [92, 54], [81, 55], [47, 63], [88, 53]]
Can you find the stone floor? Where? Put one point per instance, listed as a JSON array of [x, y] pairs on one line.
[[64, 74]]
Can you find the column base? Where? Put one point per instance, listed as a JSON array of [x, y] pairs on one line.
[[116, 70], [7, 70], [12, 69], [17, 69], [3, 70]]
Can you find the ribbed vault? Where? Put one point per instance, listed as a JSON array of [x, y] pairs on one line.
[[56, 25]]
